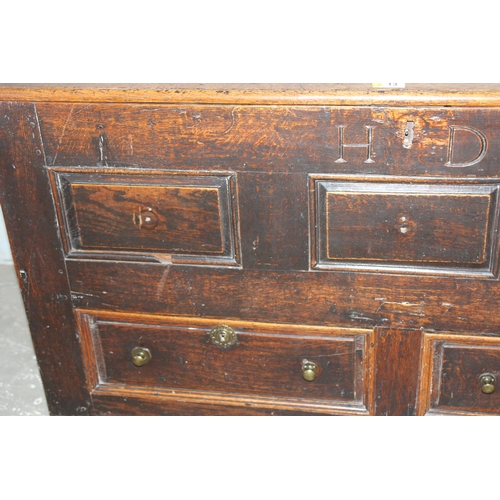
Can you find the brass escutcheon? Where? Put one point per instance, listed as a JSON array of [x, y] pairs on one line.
[[223, 336]]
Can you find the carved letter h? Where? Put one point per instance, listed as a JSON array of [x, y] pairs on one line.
[[368, 146]]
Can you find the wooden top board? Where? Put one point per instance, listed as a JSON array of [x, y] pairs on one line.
[[475, 95]]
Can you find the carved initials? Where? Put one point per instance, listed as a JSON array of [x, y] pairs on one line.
[[479, 156], [368, 145]]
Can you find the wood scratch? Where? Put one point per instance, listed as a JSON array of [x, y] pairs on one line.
[[448, 306], [232, 123], [382, 302], [85, 107], [332, 355], [85, 294], [42, 147], [62, 133], [130, 138], [40, 255], [161, 284], [411, 309]]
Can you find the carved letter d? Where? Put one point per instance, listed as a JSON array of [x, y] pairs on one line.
[[479, 156]]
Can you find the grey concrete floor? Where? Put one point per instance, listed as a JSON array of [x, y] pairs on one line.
[[21, 390]]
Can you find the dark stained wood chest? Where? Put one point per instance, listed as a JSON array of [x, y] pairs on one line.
[[257, 249]]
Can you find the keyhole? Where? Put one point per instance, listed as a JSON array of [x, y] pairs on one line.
[[222, 337]]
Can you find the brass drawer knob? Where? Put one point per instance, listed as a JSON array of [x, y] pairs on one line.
[[487, 381], [141, 356], [223, 336], [309, 370]]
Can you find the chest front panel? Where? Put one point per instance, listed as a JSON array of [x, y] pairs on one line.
[[334, 242]]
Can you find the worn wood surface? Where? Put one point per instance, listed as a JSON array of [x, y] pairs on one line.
[[318, 94], [148, 217], [274, 226], [453, 367], [275, 139], [177, 215], [396, 372], [35, 241], [188, 220], [138, 401], [330, 298], [422, 225], [297, 214], [266, 360]]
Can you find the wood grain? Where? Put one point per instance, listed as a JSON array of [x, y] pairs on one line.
[[405, 224], [348, 299], [397, 363], [32, 227], [274, 226], [273, 139], [147, 217], [266, 360], [142, 402], [402, 240], [444, 94], [453, 365]]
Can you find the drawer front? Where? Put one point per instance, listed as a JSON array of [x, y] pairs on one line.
[[443, 228], [179, 217], [289, 362], [461, 375]]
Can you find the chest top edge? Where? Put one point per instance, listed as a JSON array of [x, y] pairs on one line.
[[476, 95]]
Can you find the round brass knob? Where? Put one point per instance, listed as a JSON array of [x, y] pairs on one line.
[[487, 381], [309, 370], [141, 356]]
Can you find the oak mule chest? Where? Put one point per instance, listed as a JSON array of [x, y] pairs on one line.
[[257, 249]]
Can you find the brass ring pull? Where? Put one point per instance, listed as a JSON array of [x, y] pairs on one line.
[[223, 336], [141, 356], [487, 381], [309, 370]]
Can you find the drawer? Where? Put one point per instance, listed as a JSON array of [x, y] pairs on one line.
[[461, 375], [124, 216], [289, 362], [443, 228]]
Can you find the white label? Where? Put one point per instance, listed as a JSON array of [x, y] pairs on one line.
[[388, 85]]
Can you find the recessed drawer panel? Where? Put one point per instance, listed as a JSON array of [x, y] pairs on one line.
[[420, 227], [463, 374], [183, 217], [316, 363]]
